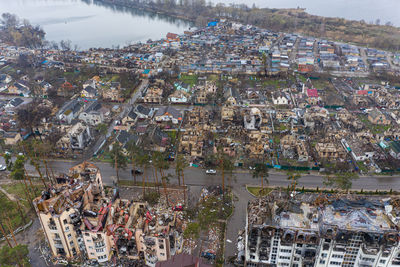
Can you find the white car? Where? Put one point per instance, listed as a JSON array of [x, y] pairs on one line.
[[211, 171], [3, 168]]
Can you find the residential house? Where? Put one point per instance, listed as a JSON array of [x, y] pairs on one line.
[[45, 87], [179, 97], [231, 96], [124, 138], [358, 150], [18, 88], [90, 82], [394, 147], [200, 97], [192, 140], [330, 151], [375, 116], [3, 87], [69, 111], [227, 113], [79, 136], [89, 92], [153, 95], [5, 78], [93, 114], [66, 89], [181, 86], [313, 96], [112, 94], [144, 112], [11, 138], [15, 102], [154, 139], [279, 98], [168, 114], [130, 119], [172, 37]]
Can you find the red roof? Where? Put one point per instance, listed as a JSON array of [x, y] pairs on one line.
[[171, 35], [362, 92], [312, 92]]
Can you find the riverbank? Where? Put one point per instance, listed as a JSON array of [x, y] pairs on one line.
[[281, 20]]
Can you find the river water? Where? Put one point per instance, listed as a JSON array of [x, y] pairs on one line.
[[93, 24], [368, 10]]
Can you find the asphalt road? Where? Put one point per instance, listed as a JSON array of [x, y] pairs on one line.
[[197, 176]]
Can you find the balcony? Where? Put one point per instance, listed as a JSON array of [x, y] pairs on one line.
[[99, 245], [52, 226], [58, 245]]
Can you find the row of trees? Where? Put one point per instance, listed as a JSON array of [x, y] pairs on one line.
[[339, 181], [140, 158]]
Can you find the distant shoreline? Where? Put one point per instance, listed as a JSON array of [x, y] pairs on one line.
[[292, 20]]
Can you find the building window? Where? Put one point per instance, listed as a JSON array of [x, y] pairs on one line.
[[162, 254], [65, 221], [382, 261], [322, 261], [67, 228], [337, 256]]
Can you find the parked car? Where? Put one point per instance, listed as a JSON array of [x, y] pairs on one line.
[[211, 171], [3, 168], [177, 208], [136, 171]]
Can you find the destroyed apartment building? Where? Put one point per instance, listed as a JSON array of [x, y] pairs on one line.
[[81, 222], [321, 230]]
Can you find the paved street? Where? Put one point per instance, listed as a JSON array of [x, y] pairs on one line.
[[125, 109], [196, 177]]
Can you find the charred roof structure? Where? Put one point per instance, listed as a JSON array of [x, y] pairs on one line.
[[322, 230], [81, 222]]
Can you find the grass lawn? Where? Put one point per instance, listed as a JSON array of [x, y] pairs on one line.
[[17, 189], [9, 209], [114, 78], [321, 84], [213, 77], [189, 79], [256, 191], [302, 78], [375, 129], [274, 82]]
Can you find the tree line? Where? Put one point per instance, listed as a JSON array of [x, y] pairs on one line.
[[20, 32], [281, 20]]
